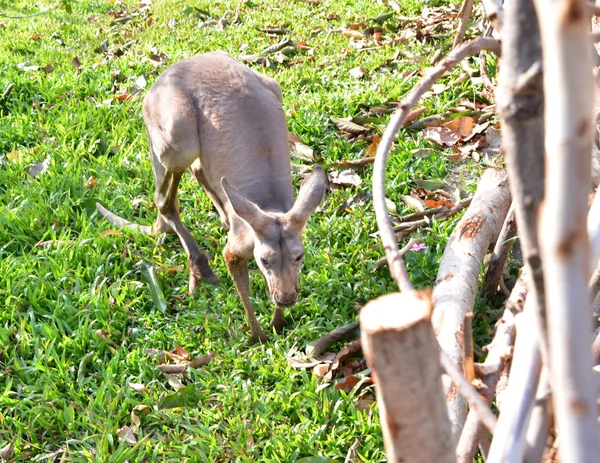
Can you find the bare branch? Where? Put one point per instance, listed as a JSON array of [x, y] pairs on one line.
[[568, 84], [464, 16], [383, 261], [436, 210], [444, 213], [395, 262], [342, 333], [469, 392], [500, 254]]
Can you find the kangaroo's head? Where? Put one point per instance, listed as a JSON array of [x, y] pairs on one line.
[[278, 248]]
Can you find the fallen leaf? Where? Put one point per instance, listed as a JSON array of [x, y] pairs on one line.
[[349, 382], [140, 82], [173, 369], [76, 63], [347, 125], [184, 397], [413, 116], [35, 37], [441, 136], [48, 68], [15, 156], [24, 67], [138, 387], [300, 149], [126, 434], [371, 150], [390, 206], [442, 202], [182, 353], [7, 452], [321, 369], [413, 203], [171, 24], [358, 72], [346, 177], [423, 152], [354, 162], [91, 182], [39, 168], [463, 125], [353, 34], [173, 381], [430, 184], [202, 360]]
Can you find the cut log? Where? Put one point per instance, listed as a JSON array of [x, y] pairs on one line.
[[401, 350], [456, 284]]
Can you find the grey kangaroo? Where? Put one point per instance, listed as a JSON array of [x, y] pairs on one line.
[[225, 122]]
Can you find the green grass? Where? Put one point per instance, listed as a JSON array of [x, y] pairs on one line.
[[64, 389]]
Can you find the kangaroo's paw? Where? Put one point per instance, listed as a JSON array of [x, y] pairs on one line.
[[278, 321], [200, 270]]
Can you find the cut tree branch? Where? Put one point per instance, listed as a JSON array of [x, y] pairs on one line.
[[458, 274], [568, 84], [388, 239]]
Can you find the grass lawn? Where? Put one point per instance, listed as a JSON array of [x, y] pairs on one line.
[[77, 317]]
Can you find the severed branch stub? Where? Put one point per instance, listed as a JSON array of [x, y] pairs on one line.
[[401, 350], [388, 239]]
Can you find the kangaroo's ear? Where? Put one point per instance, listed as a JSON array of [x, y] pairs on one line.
[[246, 209], [310, 196]]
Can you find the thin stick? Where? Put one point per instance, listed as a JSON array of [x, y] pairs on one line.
[[494, 13], [487, 82], [500, 254], [464, 15], [37, 13], [469, 392], [120, 222], [383, 261], [433, 211], [388, 239], [445, 213]]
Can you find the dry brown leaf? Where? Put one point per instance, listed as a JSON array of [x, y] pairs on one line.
[[126, 434], [91, 182], [354, 163], [346, 177], [202, 360], [7, 452], [321, 369], [182, 353], [463, 125], [173, 369], [413, 116], [111, 232], [358, 72], [138, 387], [48, 68], [346, 125], [353, 34], [423, 152], [414, 203], [371, 150], [300, 149], [441, 136]]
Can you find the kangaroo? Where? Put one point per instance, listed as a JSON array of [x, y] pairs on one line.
[[225, 122]]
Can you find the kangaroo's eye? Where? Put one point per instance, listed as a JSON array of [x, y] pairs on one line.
[[300, 257], [264, 262]]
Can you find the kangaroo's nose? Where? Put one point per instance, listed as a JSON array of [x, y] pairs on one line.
[[285, 300]]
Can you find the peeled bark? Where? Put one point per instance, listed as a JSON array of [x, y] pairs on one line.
[[568, 86], [401, 350], [456, 284]]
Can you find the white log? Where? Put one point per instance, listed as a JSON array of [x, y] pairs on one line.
[[568, 89], [401, 350], [539, 424], [593, 227], [456, 283], [508, 443]]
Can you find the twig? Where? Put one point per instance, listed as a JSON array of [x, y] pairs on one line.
[[383, 261], [445, 213], [120, 222], [485, 77], [388, 239], [343, 333], [469, 392], [500, 253], [352, 451], [464, 16], [429, 212], [499, 351]]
